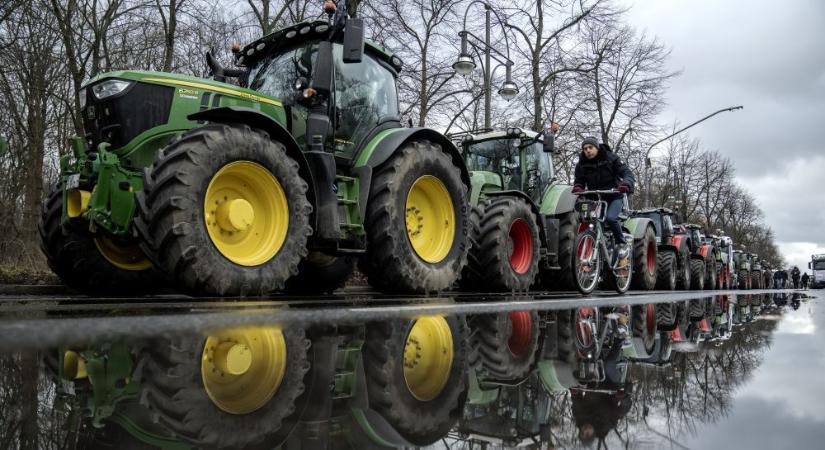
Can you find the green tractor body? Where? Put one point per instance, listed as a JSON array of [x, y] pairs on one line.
[[523, 221], [231, 189], [743, 269]]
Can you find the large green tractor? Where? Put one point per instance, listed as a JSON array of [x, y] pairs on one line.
[[743, 267], [288, 177]]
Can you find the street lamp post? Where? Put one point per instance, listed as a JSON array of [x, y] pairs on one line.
[[647, 153], [465, 64]]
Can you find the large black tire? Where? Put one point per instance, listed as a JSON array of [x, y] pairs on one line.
[[743, 279], [683, 279], [697, 274], [564, 278], [666, 316], [711, 273], [643, 326], [757, 280], [506, 343], [645, 266], [469, 275], [667, 270], [75, 257], [587, 286], [172, 387], [507, 225], [391, 262], [321, 274], [172, 207], [420, 422], [565, 326], [696, 309]]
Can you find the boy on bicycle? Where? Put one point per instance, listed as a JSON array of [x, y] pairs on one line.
[[600, 169]]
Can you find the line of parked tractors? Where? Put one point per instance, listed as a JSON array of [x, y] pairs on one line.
[[301, 170]]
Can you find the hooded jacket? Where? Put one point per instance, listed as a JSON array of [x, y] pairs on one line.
[[605, 171]]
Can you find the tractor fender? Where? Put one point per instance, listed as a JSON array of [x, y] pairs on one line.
[[558, 199], [384, 144], [676, 241], [257, 119], [704, 250], [637, 226], [545, 231]]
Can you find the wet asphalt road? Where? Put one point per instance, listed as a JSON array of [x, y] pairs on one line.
[[39, 321]]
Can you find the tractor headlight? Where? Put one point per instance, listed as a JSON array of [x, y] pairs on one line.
[[82, 96], [109, 88]]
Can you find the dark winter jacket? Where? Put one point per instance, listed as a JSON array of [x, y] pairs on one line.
[[605, 171], [795, 273], [805, 278]]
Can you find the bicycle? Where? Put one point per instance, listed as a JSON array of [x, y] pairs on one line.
[[595, 248]]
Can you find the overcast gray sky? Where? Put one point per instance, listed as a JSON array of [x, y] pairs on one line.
[[770, 57]]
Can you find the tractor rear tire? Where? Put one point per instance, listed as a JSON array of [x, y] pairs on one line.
[[505, 251], [666, 316], [408, 251], [564, 277], [743, 279], [757, 281], [683, 276], [76, 257], [645, 261], [174, 387], [643, 324], [506, 343], [697, 274], [711, 273], [425, 409], [320, 274], [253, 239], [696, 309], [666, 270]]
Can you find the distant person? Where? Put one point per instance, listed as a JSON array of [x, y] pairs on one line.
[[601, 169], [795, 277], [784, 279], [805, 279], [777, 279]]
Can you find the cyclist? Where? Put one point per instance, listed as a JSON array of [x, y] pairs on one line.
[[599, 168]]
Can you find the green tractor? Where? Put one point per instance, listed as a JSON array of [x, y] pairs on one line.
[[523, 220], [285, 179], [743, 269], [757, 272]]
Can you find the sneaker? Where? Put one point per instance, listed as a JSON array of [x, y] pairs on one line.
[[622, 255]]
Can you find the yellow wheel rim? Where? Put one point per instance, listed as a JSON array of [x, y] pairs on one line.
[[242, 368], [246, 213], [430, 219], [126, 257], [428, 357]]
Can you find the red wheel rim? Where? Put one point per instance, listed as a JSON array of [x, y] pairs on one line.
[[522, 323], [585, 250], [651, 257], [650, 318], [522, 254]]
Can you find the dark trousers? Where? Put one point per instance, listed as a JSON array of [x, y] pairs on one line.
[[614, 207]]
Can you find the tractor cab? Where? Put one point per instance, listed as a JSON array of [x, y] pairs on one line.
[[662, 219], [696, 234], [514, 159], [363, 98]]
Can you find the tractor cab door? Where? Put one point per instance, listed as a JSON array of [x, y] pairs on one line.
[[365, 99], [538, 171]]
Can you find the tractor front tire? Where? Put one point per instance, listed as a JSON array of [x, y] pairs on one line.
[[93, 265], [417, 374], [565, 278], [417, 221], [236, 388], [683, 276], [505, 251], [225, 212], [666, 270], [743, 279], [697, 274], [505, 343], [645, 261]]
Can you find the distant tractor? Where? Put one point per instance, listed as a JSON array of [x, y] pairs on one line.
[[706, 253], [743, 269], [674, 255], [817, 266], [283, 180], [724, 261], [757, 278]]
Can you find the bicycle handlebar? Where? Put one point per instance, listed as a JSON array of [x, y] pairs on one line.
[[602, 192]]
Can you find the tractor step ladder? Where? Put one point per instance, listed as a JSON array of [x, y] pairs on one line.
[[347, 199]]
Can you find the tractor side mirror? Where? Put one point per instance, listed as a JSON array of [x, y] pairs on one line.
[[322, 75], [549, 145], [354, 41], [809, 265]]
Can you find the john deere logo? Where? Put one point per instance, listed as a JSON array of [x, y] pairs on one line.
[[183, 91]]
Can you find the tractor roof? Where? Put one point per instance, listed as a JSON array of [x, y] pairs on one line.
[[659, 210], [474, 136], [309, 30], [693, 226]]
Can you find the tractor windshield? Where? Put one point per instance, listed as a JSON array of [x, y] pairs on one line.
[[538, 171], [276, 74], [499, 156]]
